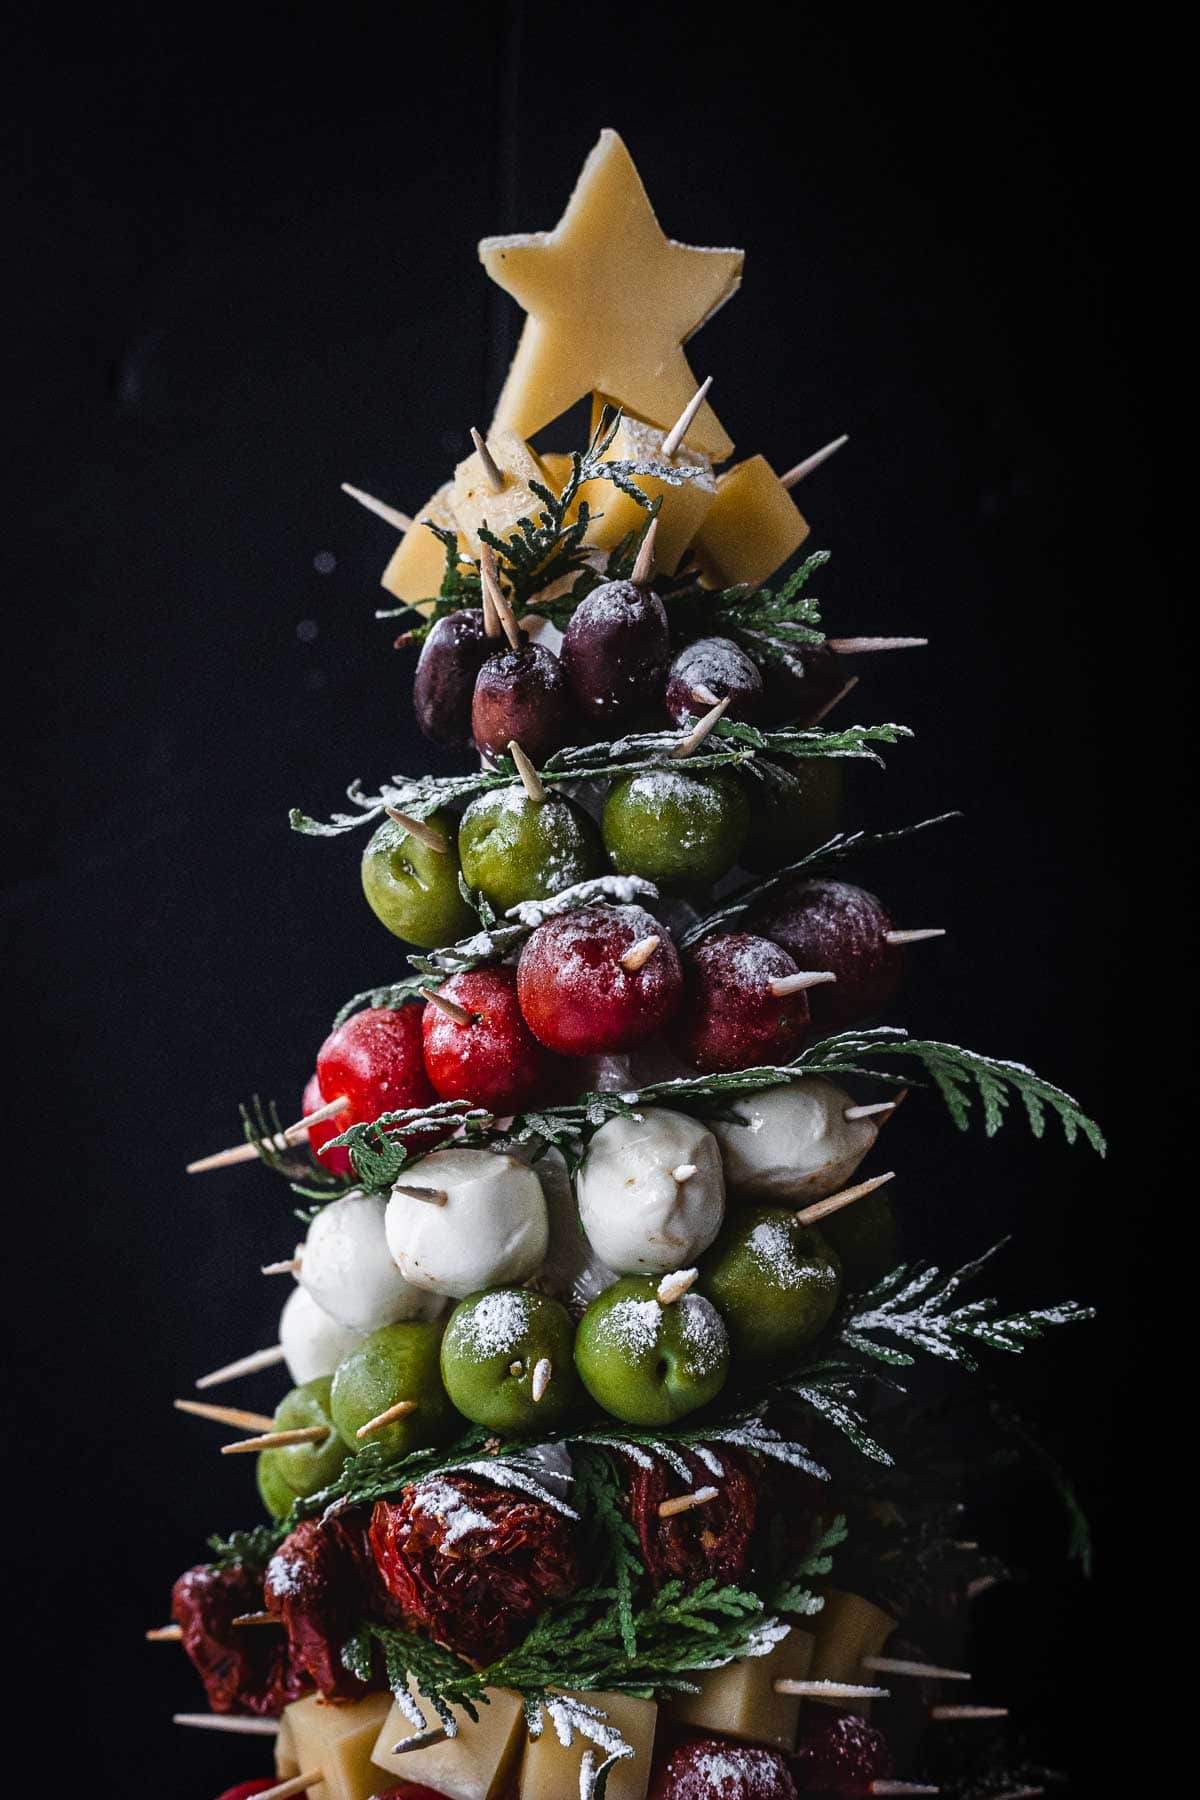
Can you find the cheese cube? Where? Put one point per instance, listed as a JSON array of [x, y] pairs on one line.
[[338, 1741], [472, 497], [285, 1750], [419, 559], [549, 1772], [683, 510], [752, 527], [475, 1765], [740, 1701], [847, 1629]]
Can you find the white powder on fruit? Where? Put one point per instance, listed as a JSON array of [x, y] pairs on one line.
[[496, 1326], [770, 1244], [634, 1325], [441, 1501], [738, 1772], [703, 1333]]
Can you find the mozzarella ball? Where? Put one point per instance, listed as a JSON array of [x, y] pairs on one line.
[[348, 1269], [491, 1228], [572, 1272], [795, 1144], [312, 1341], [651, 1192]]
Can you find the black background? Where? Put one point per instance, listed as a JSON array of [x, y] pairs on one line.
[[254, 276]]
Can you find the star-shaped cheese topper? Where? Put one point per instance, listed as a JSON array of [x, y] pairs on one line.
[[611, 303]]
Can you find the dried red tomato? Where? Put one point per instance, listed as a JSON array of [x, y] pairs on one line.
[[710, 1540], [243, 1669], [472, 1564], [321, 1582]]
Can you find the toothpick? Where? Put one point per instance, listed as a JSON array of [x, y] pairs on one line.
[[422, 830], [914, 937], [281, 1141], [700, 731], [902, 1665], [258, 1618], [643, 568], [401, 1410], [828, 1690], [834, 700], [400, 520], [227, 1415], [451, 1008], [290, 1266], [417, 1741], [299, 1784], [231, 1722], [543, 1368], [432, 1196], [683, 1171], [277, 1440], [244, 1365], [679, 429], [858, 646], [835, 1202], [490, 580], [674, 1286], [869, 1112], [531, 781], [876, 1787], [782, 985], [493, 474], [946, 1714], [796, 475], [704, 696], [669, 1509], [638, 954], [165, 1634]]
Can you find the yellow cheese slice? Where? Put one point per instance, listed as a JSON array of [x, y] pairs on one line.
[[474, 501], [338, 1740], [549, 1772], [475, 1765], [751, 528], [740, 1700], [419, 560], [848, 1628], [683, 508], [611, 302]]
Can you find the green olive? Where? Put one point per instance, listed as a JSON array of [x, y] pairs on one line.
[[514, 848], [774, 1281], [494, 1346], [676, 828], [307, 1468], [273, 1490], [414, 889], [866, 1237], [794, 809], [397, 1362]]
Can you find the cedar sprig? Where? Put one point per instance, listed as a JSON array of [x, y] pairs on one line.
[[461, 589], [378, 1154], [792, 1591], [772, 626], [251, 1550]]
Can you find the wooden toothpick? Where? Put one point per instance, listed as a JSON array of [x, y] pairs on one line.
[[679, 429], [643, 568], [876, 1787], [401, 1410], [944, 1715], [683, 1171], [835, 1202], [674, 1286], [258, 1618], [639, 954], [782, 985], [682, 1503], [489, 575], [431, 1196], [877, 1107], [291, 1265], [903, 1665], [492, 472], [282, 1140], [914, 937], [244, 1365], [795, 475], [704, 696], [400, 520], [834, 700], [531, 781], [299, 1784], [539, 1381], [828, 1690], [165, 1634], [417, 1741], [701, 729], [230, 1722], [227, 1415], [422, 830], [857, 646], [451, 1008], [277, 1440]]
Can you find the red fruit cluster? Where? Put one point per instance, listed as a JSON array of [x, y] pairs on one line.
[[576, 993], [704, 1768], [730, 1018], [836, 926], [493, 1060]]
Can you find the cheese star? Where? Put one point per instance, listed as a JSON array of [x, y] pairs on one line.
[[611, 302]]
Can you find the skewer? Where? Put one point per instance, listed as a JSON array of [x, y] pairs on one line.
[[277, 1440], [980, 1585], [833, 701], [531, 781], [257, 1618], [451, 1008], [282, 1140], [683, 1171], [643, 568], [828, 1690], [901, 1665], [432, 1196], [857, 646], [876, 1787], [165, 1634], [869, 1112], [227, 1415], [679, 429], [945, 1714], [433, 1735], [639, 954], [244, 1365], [674, 1286], [543, 1368], [493, 473], [401, 1410], [914, 937], [821, 1209], [489, 576], [400, 520], [290, 1266], [426, 834], [231, 1722], [796, 984], [297, 1784], [701, 729], [704, 696], [682, 1503], [796, 475]]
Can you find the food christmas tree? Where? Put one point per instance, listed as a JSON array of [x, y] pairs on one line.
[[599, 1474]]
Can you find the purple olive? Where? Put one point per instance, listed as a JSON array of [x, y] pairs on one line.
[[713, 666], [451, 658], [615, 651]]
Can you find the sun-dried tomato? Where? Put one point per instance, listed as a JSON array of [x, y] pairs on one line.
[[472, 1564], [712, 1540], [321, 1582], [243, 1668]]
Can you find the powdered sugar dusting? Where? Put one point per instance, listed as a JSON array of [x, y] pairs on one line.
[[770, 1244], [703, 1333], [634, 1325], [441, 1500], [496, 1325]]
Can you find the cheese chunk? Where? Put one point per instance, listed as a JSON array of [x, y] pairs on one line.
[[611, 302], [740, 1701], [751, 528], [475, 1765], [683, 510], [338, 1740], [285, 1750], [419, 559], [847, 1629], [475, 503], [549, 1772]]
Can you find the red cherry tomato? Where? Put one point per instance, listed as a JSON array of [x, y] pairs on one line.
[[576, 995], [336, 1161], [495, 1061], [375, 1060]]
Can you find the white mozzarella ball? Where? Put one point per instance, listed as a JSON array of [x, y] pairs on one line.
[[572, 1272], [490, 1228], [312, 1341], [651, 1192], [795, 1143], [348, 1269]]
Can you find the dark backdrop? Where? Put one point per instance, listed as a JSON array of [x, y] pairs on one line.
[[254, 276]]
